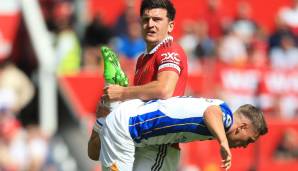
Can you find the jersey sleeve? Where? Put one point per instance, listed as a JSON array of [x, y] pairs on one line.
[[227, 116], [170, 59]]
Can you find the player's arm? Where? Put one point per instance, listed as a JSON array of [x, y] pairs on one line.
[[162, 88], [214, 120], [94, 146]]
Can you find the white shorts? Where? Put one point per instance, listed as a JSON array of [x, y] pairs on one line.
[[113, 135], [149, 158]]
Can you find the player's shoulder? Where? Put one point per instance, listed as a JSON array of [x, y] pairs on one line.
[[140, 58], [171, 47], [141, 55], [171, 51]]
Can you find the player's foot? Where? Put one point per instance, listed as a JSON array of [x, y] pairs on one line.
[[113, 73]]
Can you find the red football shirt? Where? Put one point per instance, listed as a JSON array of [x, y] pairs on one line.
[[167, 56]]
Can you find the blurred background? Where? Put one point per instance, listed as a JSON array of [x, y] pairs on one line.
[[242, 51]]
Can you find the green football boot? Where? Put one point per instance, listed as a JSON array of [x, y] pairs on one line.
[[113, 73]]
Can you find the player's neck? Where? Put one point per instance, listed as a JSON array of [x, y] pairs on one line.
[[153, 46], [150, 47]]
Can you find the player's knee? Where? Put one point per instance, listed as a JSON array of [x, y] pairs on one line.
[[94, 146], [93, 153], [93, 157]]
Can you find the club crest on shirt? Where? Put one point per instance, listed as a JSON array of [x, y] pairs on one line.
[[228, 121]]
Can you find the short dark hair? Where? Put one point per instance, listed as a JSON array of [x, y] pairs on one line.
[[255, 115], [164, 4]]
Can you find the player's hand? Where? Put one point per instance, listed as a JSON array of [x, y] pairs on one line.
[[226, 156], [113, 93]]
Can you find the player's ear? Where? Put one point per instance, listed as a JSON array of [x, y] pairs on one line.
[[170, 26]]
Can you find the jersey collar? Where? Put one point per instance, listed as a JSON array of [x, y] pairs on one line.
[[168, 38]]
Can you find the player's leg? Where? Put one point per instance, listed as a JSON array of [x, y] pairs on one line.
[[113, 74], [94, 140], [171, 161], [156, 158]]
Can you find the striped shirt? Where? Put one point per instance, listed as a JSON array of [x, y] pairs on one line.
[[175, 120]]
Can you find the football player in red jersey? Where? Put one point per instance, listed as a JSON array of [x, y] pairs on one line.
[[161, 72]]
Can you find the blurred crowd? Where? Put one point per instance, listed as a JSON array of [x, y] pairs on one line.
[[23, 145], [237, 59], [20, 147]]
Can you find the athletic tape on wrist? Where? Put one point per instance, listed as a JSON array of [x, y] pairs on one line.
[[97, 126]]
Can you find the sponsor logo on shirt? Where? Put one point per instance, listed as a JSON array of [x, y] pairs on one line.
[[170, 57]]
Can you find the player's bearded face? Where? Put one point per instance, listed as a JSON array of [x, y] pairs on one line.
[[156, 26]]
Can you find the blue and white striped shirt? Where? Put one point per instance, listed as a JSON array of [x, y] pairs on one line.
[[178, 119]]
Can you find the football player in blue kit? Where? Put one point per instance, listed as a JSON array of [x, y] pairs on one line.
[[136, 123]]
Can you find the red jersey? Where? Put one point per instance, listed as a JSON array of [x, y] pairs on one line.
[[166, 56]]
